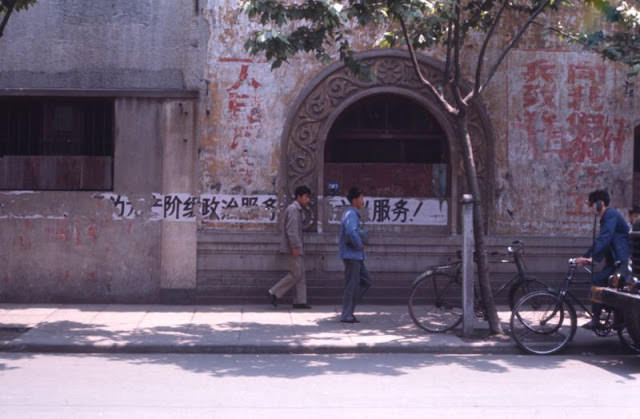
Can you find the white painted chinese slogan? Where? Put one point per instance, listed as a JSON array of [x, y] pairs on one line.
[[398, 211], [263, 209]]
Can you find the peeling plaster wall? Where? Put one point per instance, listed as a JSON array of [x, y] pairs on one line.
[[563, 123], [90, 246], [246, 106], [66, 246], [113, 246], [569, 131]]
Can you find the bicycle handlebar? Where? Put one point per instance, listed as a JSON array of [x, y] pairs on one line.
[[573, 262], [516, 247]]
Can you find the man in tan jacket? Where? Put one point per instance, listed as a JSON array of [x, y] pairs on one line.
[[291, 244]]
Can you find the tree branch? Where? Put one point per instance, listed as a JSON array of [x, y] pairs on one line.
[[457, 72], [7, 14], [416, 67], [447, 64], [483, 50], [513, 41]]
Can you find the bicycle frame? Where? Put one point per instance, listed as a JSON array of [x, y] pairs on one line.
[[566, 294]]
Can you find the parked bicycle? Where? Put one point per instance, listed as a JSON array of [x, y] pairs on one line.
[[543, 322], [435, 302]]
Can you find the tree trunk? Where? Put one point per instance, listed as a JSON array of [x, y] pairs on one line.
[[478, 223]]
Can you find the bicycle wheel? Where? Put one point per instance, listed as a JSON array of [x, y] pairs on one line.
[[523, 287], [435, 303], [627, 340], [542, 323]]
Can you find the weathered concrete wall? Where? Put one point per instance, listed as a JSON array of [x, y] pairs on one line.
[[115, 246], [562, 124], [569, 130], [67, 247], [246, 107], [562, 118], [104, 44], [178, 256], [90, 246]]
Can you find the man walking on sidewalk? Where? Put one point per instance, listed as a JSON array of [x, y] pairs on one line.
[[352, 244], [291, 244]]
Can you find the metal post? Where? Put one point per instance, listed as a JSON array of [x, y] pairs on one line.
[[467, 265]]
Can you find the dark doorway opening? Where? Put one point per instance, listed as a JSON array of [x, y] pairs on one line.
[[390, 146]]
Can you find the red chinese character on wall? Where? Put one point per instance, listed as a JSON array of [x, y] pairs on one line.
[[239, 95]]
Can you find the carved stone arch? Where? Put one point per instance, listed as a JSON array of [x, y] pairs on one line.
[[335, 88]]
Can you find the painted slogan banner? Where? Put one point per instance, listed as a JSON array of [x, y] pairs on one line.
[[264, 209], [414, 211], [186, 207]]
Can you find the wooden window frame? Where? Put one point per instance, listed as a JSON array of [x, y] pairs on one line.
[[56, 143]]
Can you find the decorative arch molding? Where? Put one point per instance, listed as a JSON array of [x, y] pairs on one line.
[[336, 87]]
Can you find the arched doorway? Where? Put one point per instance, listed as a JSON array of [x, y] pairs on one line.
[[336, 92]]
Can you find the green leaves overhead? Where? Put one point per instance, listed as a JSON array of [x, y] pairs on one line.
[[617, 40], [324, 27], [16, 5]]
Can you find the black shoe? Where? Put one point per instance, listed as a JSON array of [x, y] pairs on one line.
[[354, 320], [592, 325], [301, 306], [273, 300]]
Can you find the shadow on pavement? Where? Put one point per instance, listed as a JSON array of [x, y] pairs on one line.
[[327, 331]]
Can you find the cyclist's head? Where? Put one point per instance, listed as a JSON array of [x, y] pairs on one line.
[[599, 195]]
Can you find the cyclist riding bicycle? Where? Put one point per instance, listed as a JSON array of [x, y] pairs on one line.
[[612, 244]]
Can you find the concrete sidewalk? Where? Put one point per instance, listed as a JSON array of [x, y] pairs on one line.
[[250, 329]]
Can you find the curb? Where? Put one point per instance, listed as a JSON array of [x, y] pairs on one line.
[[507, 348], [257, 349]]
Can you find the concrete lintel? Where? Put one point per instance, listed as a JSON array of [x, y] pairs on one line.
[[149, 93]]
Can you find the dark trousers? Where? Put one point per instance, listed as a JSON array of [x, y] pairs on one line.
[[357, 282], [601, 279]]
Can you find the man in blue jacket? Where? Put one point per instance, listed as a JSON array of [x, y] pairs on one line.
[[357, 280], [612, 244]]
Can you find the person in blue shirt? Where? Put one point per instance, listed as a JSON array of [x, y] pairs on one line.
[[352, 244], [612, 245]]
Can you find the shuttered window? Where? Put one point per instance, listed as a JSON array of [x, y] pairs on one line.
[[389, 146], [56, 143]]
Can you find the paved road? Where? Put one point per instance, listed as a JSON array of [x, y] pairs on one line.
[[310, 386]]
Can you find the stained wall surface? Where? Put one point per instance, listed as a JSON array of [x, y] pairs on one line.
[[145, 57], [562, 122], [103, 45], [200, 178]]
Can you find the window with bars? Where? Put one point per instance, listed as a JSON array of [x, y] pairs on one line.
[[56, 143], [390, 146]]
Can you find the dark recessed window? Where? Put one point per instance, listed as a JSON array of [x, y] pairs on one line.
[[56, 143], [389, 145]]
